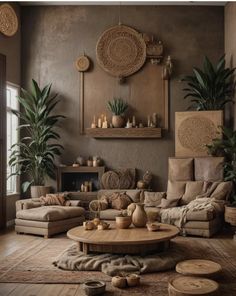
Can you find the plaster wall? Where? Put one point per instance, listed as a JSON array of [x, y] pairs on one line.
[[230, 46], [54, 36]]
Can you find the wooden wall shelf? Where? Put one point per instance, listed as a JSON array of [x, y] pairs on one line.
[[144, 133]]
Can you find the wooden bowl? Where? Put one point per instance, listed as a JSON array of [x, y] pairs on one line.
[[93, 288], [153, 226], [133, 280], [123, 222], [119, 282]]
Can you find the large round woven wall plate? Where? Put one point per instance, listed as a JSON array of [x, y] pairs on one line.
[[121, 51], [8, 20]]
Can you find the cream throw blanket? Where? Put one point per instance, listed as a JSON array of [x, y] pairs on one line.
[[112, 265], [178, 216]]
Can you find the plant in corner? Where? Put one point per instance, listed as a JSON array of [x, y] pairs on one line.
[[118, 107], [35, 153], [210, 88], [226, 147]]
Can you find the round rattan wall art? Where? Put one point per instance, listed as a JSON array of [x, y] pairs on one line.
[[121, 51], [8, 20], [195, 132]]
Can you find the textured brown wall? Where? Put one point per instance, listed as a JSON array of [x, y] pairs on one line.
[[230, 45], [53, 37]]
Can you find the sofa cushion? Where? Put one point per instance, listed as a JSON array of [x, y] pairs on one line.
[[208, 168], [222, 191], [153, 199], [180, 169], [120, 201], [203, 215], [169, 203], [50, 213], [192, 189], [175, 189], [110, 214], [134, 195]]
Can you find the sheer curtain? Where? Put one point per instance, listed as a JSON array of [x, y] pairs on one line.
[[2, 140]]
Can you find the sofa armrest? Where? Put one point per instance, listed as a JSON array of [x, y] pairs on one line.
[[25, 204]]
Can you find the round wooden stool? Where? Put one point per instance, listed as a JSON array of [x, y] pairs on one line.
[[198, 267], [188, 286]]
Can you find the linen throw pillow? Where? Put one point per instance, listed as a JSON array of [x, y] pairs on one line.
[[120, 201], [50, 199], [153, 199], [222, 191], [175, 190], [208, 168], [180, 169], [169, 203], [192, 190]]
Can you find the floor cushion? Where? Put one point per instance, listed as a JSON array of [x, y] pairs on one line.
[[50, 213]]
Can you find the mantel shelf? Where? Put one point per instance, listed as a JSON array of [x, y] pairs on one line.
[[144, 133]]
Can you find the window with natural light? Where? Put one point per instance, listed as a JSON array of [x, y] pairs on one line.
[[12, 134]]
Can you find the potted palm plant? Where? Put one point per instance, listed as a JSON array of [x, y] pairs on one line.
[[118, 107], [227, 147], [35, 153], [210, 88]]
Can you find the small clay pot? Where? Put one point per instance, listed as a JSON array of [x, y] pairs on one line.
[[119, 282], [133, 280], [123, 222], [118, 121]]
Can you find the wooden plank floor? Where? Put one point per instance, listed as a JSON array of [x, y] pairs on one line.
[[11, 242]]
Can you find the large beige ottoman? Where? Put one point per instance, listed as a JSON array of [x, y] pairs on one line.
[[48, 220]]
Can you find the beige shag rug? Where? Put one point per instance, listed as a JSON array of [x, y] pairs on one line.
[[112, 265]]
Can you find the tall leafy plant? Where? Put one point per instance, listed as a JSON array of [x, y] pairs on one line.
[[35, 153], [226, 147], [210, 88]]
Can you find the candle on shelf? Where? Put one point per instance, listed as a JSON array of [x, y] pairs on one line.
[[99, 122], [154, 119], [148, 121], [133, 121]]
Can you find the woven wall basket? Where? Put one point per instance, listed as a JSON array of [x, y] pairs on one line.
[[8, 20], [121, 51]]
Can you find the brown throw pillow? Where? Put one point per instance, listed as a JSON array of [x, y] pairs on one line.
[[120, 201], [209, 168], [192, 190], [222, 191], [167, 203], [55, 199], [180, 169], [153, 199], [175, 189]]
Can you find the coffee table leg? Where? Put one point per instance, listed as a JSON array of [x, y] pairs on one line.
[[80, 247], [85, 248]]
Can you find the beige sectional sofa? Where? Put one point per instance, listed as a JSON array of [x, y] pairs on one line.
[[189, 179]]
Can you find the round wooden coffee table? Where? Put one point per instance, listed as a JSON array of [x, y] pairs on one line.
[[123, 241]]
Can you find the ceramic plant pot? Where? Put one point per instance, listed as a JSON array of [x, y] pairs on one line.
[[123, 222], [139, 217], [38, 191], [118, 121]]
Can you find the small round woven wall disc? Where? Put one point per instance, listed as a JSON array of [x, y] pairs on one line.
[[8, 20], [82, 63]]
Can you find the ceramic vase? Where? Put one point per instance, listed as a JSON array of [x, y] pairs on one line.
[[38, 191], [139, 217], [118, 121]]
